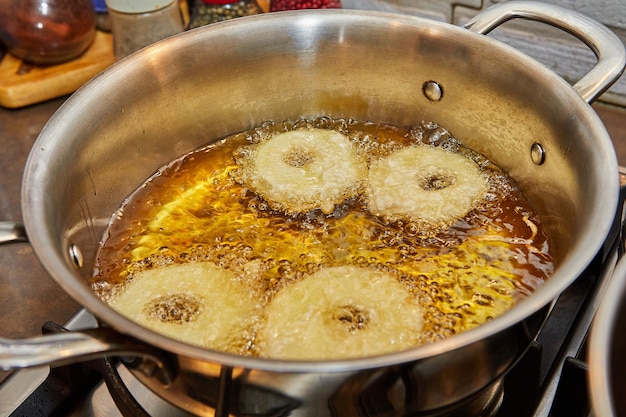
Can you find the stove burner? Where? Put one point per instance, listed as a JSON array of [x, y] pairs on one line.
[[518, 394], [549, 380]]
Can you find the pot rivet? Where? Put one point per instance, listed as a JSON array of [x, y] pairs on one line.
[[537, 153], [432, 90], [76, 256]]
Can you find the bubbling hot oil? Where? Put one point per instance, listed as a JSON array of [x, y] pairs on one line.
[[196, 210]]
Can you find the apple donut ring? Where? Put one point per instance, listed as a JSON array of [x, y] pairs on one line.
[[425, 184], [341, 312], [301, 170], [198, 303]]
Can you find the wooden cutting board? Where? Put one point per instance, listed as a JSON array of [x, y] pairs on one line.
[[22, 84]]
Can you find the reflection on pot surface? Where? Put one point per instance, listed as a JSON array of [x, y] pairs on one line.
[[323, 239]]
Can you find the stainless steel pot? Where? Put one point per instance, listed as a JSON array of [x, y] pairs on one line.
[[607, 349], [194, 88]]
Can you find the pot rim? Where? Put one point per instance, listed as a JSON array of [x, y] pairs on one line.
[[574, 263]]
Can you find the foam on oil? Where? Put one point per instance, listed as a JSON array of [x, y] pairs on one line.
[[196, 209]]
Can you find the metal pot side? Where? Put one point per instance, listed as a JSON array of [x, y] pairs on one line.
[[607, 344]]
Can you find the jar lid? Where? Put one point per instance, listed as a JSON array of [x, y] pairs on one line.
[[100, 6], [137, 6]]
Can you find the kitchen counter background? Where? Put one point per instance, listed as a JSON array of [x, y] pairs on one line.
[[28, 295]]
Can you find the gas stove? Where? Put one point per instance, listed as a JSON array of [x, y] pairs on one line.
[[102, 388], [550, 379]]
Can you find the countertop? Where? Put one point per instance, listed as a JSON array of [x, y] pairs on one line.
[[28, 295]]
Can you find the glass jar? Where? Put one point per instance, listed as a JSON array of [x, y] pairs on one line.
[[205, 12], [138, 23], [279, 5], [47, 31], [102, 16]]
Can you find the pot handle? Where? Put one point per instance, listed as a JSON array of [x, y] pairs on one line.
[[12, 232], [66, 347], [607, 47]]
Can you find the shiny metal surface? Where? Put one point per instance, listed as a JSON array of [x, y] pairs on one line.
[[575, 344], [607, 347], [604, 43], [12, 232], [160, 103], [69, 347], [18, 386]]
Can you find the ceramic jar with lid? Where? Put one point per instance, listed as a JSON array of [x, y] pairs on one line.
[[138, 23]]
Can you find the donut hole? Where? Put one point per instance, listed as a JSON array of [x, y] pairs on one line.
[[354, 318], [173, 308], [436, 181], [298, 157]]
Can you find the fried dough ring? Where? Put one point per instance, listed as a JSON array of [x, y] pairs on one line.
[[425, 184], [198, 303], [341, 312], [301, 170]]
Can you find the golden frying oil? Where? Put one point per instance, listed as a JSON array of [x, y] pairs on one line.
[[194, 209]]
